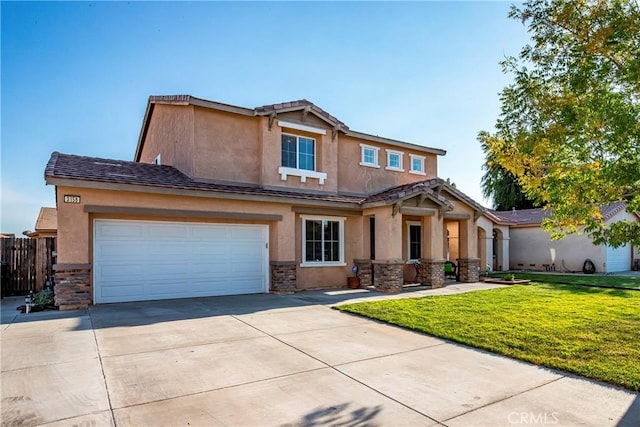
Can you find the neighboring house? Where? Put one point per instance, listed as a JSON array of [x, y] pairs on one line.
[[46, 224], [225, 200], [531, 247]]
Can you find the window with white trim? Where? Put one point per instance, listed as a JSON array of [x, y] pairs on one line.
[[369, 155], [156, 161], [394, 160], [322, 241], [298, 152], [417, 164], [414, 240]]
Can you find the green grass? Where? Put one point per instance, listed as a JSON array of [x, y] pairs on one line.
[[623, 282], [593, 332]]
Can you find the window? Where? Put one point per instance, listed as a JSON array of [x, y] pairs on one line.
[[322, 241], [417, 164], [369, 156], [414, 240], [394, 160], [298, 152], [156, 161]]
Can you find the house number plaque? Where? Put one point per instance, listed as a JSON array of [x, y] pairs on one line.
[[68, 198]]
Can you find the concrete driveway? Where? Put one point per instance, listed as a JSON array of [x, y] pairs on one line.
[[274, 360]]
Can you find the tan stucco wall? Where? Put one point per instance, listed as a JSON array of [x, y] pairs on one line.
[[171, 135], [221, 146], [227, 146], [532, 247], [358, 179]]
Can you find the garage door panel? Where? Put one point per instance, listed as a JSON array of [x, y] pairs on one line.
[[246, 234], [111, 231], [119, 250], [127, 290], [146, 260], [246, 268], [120, 271], [164, 231]]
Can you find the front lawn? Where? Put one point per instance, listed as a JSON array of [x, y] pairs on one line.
[[593, 332], [623, 282]]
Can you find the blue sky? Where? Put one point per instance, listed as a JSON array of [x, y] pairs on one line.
[[76, 76]]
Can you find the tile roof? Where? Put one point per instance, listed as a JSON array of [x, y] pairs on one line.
[[93, 169], [67, 166], [47, 219], [535, 216]]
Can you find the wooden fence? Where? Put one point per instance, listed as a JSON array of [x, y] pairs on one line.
[[29, 264]]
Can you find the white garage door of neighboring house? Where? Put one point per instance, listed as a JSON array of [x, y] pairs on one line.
[[618, 259], [150, 260]]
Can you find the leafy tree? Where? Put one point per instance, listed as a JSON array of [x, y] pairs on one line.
[[569, 129], [503, 188]]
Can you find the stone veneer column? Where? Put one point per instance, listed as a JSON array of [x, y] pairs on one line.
[[72, 287], [388, 275], [432, 272], [365, 271], [469, 269], [283, 276]]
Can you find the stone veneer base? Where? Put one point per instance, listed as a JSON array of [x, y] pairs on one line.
[[388, 276], [283, 277], [72, 287], [469, 270], [432, 272]]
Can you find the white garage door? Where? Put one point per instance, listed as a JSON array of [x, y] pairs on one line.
[[618, 259], [149, 260]]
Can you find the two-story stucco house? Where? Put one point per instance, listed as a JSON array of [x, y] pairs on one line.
[[226, 200]]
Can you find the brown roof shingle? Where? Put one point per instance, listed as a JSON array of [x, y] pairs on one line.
[[67, 166]]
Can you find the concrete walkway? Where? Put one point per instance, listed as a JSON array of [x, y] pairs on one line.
[[264, 360]]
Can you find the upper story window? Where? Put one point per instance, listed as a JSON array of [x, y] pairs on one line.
[[299, 158], [369, 156], [394, 160], [298, 152], [156, 161], [417, 164]]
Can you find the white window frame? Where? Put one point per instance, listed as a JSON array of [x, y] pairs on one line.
[[338, 219], [409, 224], [376, 161], [286, 171], [400, 154], [156, 161], [413, 157]]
